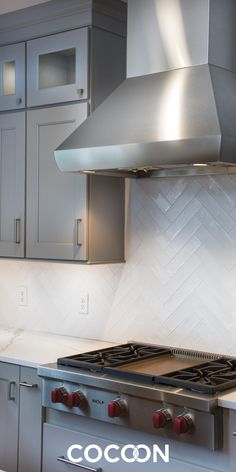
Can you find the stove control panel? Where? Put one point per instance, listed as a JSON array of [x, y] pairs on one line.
[[161, 418], [158, 417], [117, 408], [182, 424]]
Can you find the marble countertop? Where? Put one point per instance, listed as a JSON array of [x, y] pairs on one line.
[[228, 400], [29, 348]]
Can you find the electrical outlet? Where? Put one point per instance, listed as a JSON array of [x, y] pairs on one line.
[[22, 296], [83, 303]]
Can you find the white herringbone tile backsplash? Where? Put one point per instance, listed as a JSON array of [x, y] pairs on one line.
[[178, 286]]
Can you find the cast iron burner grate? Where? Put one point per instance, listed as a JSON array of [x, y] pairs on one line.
[[209, 378], [113, 357]]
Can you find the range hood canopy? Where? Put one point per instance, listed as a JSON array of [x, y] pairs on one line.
[[177, 107]]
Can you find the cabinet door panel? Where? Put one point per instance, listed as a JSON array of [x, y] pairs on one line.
[[55, 200], [12, 77], [58, 68], [9, 377], [57, 441], [30, 421], [12, 184]]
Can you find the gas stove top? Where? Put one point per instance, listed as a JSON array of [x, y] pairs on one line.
[[158, 390], [160, 365]]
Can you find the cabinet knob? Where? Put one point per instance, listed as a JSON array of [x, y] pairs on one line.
[[80, 92]]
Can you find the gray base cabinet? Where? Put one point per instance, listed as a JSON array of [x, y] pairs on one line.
[[21, 419], [57, 440], [9, 405], [30, 421], [12, 184]]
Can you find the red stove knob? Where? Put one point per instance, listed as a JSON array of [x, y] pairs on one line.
[[75, 399], [116, 408], [182, 424], [59, 395], [161, 418]]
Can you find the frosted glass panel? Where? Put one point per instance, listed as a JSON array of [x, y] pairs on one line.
[[9, 78], [57, 68]]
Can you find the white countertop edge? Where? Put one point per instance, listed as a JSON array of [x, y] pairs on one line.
[[228, 400], [21, 362]]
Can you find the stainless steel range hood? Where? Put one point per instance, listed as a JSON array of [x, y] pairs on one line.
[[177, 107]]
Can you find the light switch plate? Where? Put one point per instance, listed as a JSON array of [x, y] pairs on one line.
[[22, 296]]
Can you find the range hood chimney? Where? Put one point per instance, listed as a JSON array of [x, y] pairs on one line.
[[177, 107]]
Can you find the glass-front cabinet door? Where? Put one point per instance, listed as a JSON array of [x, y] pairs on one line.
[[12, 77], [57, 68]]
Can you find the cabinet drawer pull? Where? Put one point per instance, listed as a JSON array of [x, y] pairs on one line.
[[78, 232], [81, 466], [27, 385], [17, 223], [11, 387]]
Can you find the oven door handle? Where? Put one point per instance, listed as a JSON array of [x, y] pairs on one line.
[[81, 466]]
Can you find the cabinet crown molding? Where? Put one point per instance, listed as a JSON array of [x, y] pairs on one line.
[[61, 15]]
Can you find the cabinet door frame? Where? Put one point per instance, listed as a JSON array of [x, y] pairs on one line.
[[77, 39], [16, 53], [30, 420], [9, 396], [16, 246], [36, 248]]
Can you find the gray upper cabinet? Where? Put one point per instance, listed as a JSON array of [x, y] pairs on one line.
[[12, 77], [57, 68], [12, 184], [75, 55], [69, 216], [56, 202]]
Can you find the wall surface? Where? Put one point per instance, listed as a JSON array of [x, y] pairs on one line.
[[178, 286], [10, 5]]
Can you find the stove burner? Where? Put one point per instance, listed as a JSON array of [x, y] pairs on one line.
[[114, 356], [213, 375], [208, 378]]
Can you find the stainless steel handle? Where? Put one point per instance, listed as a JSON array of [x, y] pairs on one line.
[[27, 385], [234, 433], [17, 223], [78, 232], [11, 395], [81, 466]]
